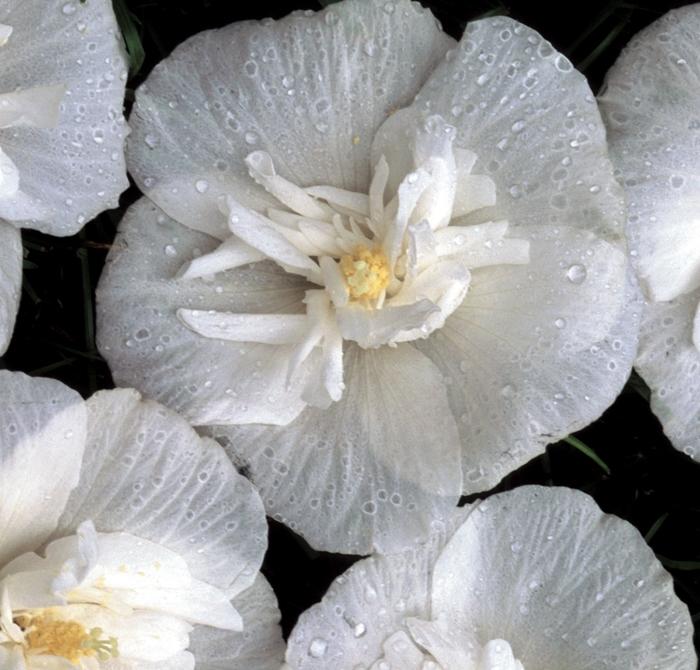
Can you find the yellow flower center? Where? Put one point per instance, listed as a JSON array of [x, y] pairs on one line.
[[366, 272], [46, 635]]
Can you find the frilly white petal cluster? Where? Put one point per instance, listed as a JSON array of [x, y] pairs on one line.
[[382, 268], [154, 540], [61, 126], [533, 578], [650, 106]]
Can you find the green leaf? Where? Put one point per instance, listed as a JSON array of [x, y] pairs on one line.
[[585, 449], [655, 527], [673, 564], [132, 40]]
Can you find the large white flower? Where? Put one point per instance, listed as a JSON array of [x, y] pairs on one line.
[[383, 305], [532, 579], [154, 540], [651, 105], [62, 79]]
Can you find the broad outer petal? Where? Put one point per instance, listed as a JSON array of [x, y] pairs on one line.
[[534, 124], [42, 438], [149, 348], [259, 647], [371, 472], [146, 472], [536, 351], [651, 105], [670, 364], [77, 169], [367, 604], [565, 584], [10, 281], [310, 89]]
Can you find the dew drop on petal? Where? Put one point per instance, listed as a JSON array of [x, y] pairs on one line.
[[317, 648], [576, 273]]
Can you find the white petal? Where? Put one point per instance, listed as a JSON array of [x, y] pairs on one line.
[[259, 647], [650, 108], [446, 641], [334, 281], [146, 472], [41, 449], [536, 351], [230, 254], [12, 658], [455, 239], [5, 32], [38, 106], [354, 51], [376, 327], [263, 328], [372, 470], [669, 362], [262, 170], [356, 203], [549, 555], [400, 651], [10, 281], [533, 122], [421, 247], [9, 180], [368, 604], [474, 191], [432, 150], [142, 636], [409, 193], [444, 284], [82, 52], [149, 348], [393, 145], [261, 234], [376, 194]]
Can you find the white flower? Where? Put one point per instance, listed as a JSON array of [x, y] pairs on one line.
[[62, 79], [532, 579], [154, 540], [384, 303], [650, 105]]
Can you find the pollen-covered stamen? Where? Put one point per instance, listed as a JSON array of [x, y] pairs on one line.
[[366, 273], [47, 635]]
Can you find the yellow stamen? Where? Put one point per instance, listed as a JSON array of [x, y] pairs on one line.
[[44, 634], [366, 272]]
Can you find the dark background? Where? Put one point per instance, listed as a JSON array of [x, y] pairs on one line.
[[649, 483]]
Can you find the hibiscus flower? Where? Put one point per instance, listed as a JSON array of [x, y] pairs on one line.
[[154, 540], [529, 579], [61, 126], [384, 268], [650, 105]]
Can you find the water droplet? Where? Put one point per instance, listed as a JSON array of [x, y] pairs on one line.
[[170, 250], [151, 141], [317, 648], [560, 323], [202, 185], [68, 8], [576, 273]]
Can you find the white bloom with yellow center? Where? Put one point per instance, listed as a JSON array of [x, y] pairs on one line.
[[62, 79], [171, 576], [392, 269], [532, 579], [650, 105], [382, 268]]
